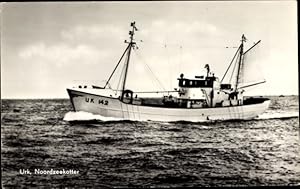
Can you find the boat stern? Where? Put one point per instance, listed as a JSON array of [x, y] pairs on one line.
[[266, 103]]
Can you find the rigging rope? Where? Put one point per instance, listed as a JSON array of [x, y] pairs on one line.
[[180, 59], [234, 67], [230, 63], [170, 71], [179, 45], [154, 82], [121, 76], [116, 66], [149, 69]]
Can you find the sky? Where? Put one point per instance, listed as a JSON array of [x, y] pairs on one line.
[[49, 46]]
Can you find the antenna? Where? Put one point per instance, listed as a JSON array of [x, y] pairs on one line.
[[244, 39]]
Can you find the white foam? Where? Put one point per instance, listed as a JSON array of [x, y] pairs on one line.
[[86, 116], [273, 115]]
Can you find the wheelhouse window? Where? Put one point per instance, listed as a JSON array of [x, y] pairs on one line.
[[195, 83]]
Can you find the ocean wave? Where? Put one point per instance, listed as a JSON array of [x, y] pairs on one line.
[[278, 115]]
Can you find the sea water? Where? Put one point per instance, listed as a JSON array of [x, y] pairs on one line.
[[43, 141]]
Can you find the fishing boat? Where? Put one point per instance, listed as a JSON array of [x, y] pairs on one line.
[[198, 98]]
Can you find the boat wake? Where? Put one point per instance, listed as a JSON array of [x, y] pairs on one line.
[[86, 116], [278, 115], [89, 117]]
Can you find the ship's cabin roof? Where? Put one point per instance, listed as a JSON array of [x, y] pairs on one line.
[[197, 83]]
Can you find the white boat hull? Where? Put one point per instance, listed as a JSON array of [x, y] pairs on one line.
[[113, 107]]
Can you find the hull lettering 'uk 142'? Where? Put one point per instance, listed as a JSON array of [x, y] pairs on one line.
[[99, 101]]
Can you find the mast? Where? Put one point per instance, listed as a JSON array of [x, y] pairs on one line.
[[240, 61], [130, 46]]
